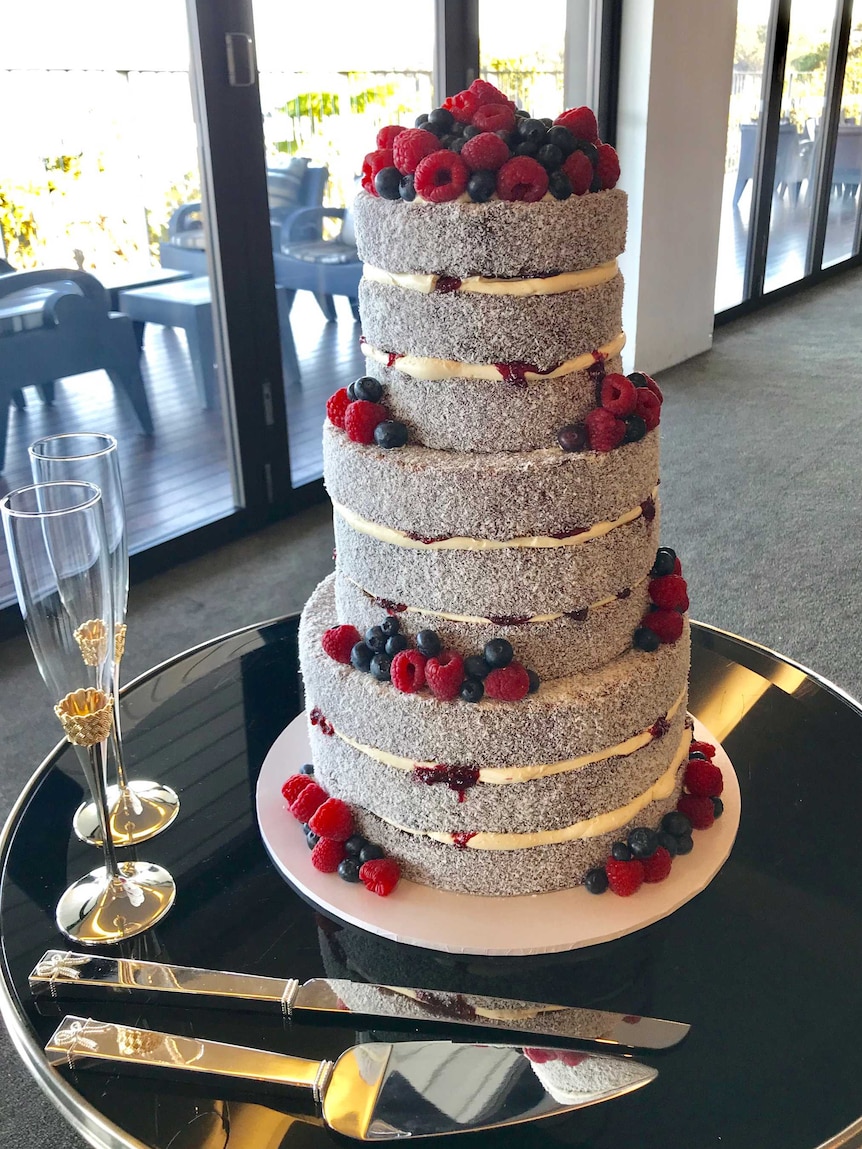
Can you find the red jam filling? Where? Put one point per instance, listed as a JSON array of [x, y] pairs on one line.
[[660, 728], [447, 283], [648, 509], [509, 619], [317, 719], [578, 615], [461, 837], [390, 606], [624, 593], [457, 777]]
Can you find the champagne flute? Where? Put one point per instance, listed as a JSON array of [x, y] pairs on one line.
[[58, 553], [140, 809]]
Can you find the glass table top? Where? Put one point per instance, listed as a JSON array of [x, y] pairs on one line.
[[763, 964]]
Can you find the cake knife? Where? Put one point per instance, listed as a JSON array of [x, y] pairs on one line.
[[70, 974], [377, 1091]]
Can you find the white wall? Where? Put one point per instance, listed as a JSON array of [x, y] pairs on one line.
[[675, 77]]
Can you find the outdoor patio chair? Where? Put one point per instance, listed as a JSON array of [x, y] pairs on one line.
[[326, 267], [55, 323]]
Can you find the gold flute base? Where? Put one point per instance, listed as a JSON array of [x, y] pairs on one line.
[[100, 910], [138, 813]]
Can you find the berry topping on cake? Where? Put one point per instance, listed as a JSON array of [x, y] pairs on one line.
[[608, 166], [636, 428], [618, 395], [624, 878], [699, 811], [642, 842], [361, 420], [494, 118], [573, 437], [339, 641], [535, 681], [308, 768], [411, 147], [307, 801], [702, 748], [387, 183], [621, 852], [668, 842], [645, 639], [327, 855], [375, 638], [485, 152], [472, 690], [481, 186], [373, 163], [386, 136], [463, 106], [579, 171], [559, 185], [408, 671], [580, 122], [475, 666], [509, 683], [360, 656], [676, 823], [665, 559], [381, 667], [640, 379], [717, 806], [487, 93], [440, 177], [498, 652], [596, 881], [294, 786], [366, 387], [669, 592], [348, 870], [684, 844], [703, 779], [523, 179], [395, 644], [333, 819], [648, 406], [380, 875], [445, 674], [667, 624], [390, 434], [428, 641], [336, 406], [369, 852], [657, 866], [605, 430]]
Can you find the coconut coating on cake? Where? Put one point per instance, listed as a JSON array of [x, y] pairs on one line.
[[481, 415], [544, 330], [508, 581], [498, 238], [500, 496], [553, 648]]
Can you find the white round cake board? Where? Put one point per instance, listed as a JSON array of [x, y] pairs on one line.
[[470, 924]]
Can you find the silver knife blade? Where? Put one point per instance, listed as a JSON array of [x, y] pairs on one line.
[[379, 1091], [73, 974]]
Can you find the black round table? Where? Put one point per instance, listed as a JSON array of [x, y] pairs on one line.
[[764, 964]]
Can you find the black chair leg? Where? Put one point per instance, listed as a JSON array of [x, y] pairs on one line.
[[47, 392], [354, 307], [326, 303], [130, 382], [18, 399], [4, 427]]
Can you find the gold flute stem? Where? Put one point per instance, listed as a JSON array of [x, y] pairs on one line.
[[116, 733], [96, 772]]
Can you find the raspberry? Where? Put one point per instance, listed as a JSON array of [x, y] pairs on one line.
[[386, 136], [441, 176], [624, 878], [333, 819], [669, 592], [605, 430], [657, 867], [338, 642], [648, 407], [463, 106], [327, 855], [522, 178], [485, 152], [580, 172], [618, 395], [703, 779], [360, 419], [445, 674], [667, 624], [373, 163], [581, 123], [677, 566], [608, 166], [408, 671], [494, 118], [307, 801], [380, 876], [699, 811], [703, 748], [410, 147], [539, 1056], [294, 786], [508, 683], [486, 93], [651, 385], [336, 405], [571, 1058]]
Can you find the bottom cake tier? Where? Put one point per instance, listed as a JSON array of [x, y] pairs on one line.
[[499, 798]]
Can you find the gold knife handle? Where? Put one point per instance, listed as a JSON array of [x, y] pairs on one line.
[[83, 1039]]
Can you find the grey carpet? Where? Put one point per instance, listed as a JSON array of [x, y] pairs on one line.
[[762, 451]]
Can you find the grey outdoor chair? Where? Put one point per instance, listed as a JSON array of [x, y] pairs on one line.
[[326, 267]]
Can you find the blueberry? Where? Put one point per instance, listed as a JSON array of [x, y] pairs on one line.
[[520, 114], [306, 769], [573, 437], [391, 625], [589, 149], [481, 186], [596, 881], [456, 128], [548, 155], [447, 141], [559, 185], [643, 842], [526, 148], [561, 138], [406, 188], [375, 638], [470, 131], [638, 378], [498, 653], [387, 183], [428, 643], [311, 839], [635, 429], [717, 807], [360, 656], [535, 682], [367, 388], [353, 845], [676, 823], [441, 116], [472, 690], [665, 560], [596, 185], [380, 665], [389, 434], [457, 144], [348, 870], [395, 644], [621, 852], [685, 845], [476, 667], [547, 121], [369, 852], [670, 843], [698, 754], [438, 130], [351, 391], [421, 120], [646, 639], [533, 130]]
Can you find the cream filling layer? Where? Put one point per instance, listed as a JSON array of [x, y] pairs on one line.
[[419, 367], [463, 543], [595, 827], [477, 618], [486, 285], [504, 775]]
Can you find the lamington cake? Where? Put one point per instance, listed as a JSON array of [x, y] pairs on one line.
[[496, 673]]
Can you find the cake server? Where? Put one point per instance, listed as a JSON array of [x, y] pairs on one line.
[[379, 1091], [69, 974]]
